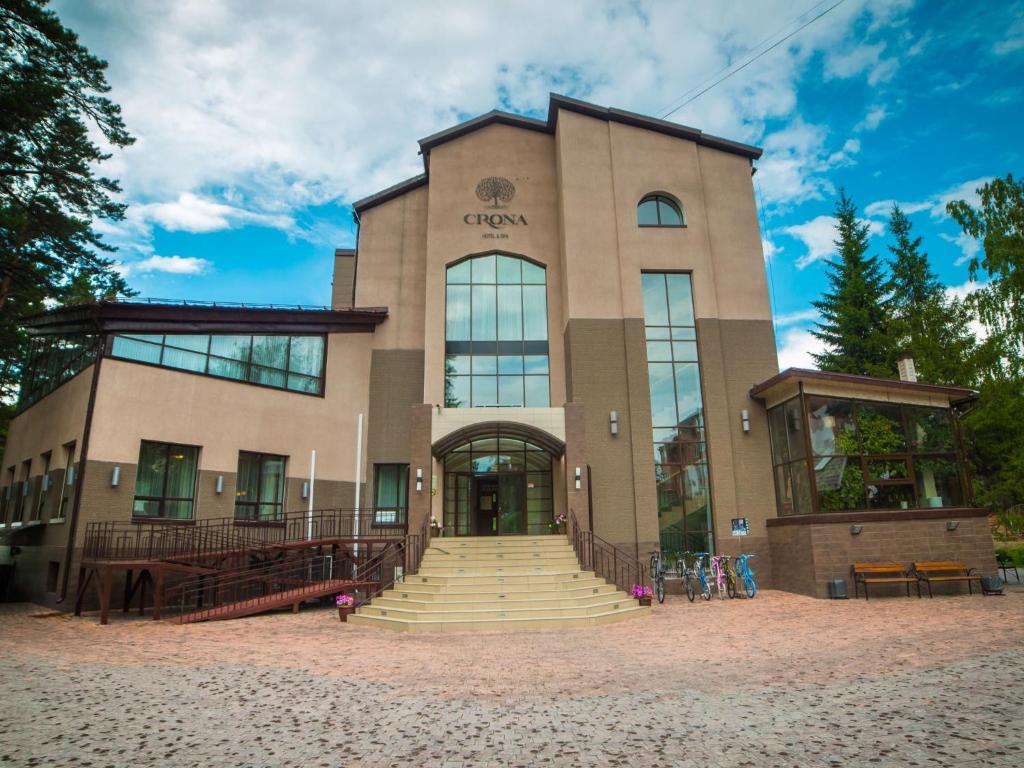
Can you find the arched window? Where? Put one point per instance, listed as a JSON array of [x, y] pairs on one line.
[[496, 334], [659, 211]]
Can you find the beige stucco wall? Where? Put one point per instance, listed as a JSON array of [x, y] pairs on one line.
[[49, 424], [139, 402]]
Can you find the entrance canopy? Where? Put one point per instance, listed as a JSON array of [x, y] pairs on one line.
[[507, 429]]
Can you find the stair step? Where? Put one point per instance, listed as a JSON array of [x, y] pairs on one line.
[[553, 591], [437, 608], [497, 543], [521, 556], [484, 578], [493, 586], [506, 624], [503, 569]]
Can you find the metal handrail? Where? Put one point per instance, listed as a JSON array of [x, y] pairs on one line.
[[381, 569], [201, 596], [199, 540], [605, 559], [415, 546]]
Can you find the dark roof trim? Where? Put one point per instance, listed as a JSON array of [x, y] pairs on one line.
[[796, 375], [513, 429], [877, 516], [109, 316], [556, 102], [390, 193]]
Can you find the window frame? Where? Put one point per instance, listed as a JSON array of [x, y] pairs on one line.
[[400, 511], [257, 505], [497, 348], [162, 500], [249, 365], [659, 199]]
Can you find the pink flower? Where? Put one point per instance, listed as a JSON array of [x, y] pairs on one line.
[[344, 601]]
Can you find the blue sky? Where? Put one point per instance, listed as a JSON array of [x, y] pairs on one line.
[[258, 122]]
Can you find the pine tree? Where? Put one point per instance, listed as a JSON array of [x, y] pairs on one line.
[[932, 328], [855, 312]]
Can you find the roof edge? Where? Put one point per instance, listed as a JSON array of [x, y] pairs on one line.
[[798, 374], [390, 193]]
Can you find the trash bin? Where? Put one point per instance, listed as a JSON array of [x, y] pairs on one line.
[[837, 589], [991, 585]]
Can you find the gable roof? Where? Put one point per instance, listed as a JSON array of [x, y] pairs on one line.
[[555, 104]]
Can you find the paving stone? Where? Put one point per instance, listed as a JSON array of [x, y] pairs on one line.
[[781, 680]]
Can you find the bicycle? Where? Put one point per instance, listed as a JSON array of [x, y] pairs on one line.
[[658, 575], [696, 571], [745, 572], [725, 578]]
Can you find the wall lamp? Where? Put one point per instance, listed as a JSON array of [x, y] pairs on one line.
[[855, 529], [438, 406], [952, 525], [115, 477], [613, 422], [218, 484], [305, 489], [745, 420], [419, 481], [579, 478]]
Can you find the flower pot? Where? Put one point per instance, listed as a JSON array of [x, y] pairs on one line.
[[344, 611], [435, 530], [644, 600]]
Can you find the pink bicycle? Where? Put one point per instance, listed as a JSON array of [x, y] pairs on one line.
[[725, 579]]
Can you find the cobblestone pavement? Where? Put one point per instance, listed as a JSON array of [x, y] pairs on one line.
[[780, 680]]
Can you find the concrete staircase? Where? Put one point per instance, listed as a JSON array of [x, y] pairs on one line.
[[506, 582]]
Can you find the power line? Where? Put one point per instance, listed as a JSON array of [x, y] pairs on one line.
[[754, 58]]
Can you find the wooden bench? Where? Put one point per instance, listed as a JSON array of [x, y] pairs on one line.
[[882, 573], [928, 571]]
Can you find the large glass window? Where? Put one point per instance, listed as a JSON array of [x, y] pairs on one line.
[[285, 362], [391, 494], [165, 483], [864, 455], [51, 361], [677, 413], [259, 487], [496, 334]]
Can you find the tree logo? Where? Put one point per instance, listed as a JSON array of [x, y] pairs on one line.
[[497, 189]]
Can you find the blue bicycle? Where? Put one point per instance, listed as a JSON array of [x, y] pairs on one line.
[[746, 574], [694, 571]]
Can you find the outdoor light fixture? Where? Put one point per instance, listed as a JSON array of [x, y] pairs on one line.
[[856, 529], [218, 484], [438, 406], [745, 419], [46, 483], [579, 478], [419, 481], [305, 489], [613, 419], [952, 525], [115, 477]]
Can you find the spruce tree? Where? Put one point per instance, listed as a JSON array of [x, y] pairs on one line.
[[932, 328], [854, 326]]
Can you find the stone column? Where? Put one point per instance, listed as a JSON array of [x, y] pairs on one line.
[[578, 501], [420, 457]]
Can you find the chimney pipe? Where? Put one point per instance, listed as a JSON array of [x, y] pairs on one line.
[[905, 365]]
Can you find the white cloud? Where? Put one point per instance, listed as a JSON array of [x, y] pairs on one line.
[[860, 59], [190, 213], [872, 119], [795, 347], [1013, 41], [768, 248], [175, 265], [968, 246], [936, 204], [961, 292], [818, 236], [797, 317], [267, 108]]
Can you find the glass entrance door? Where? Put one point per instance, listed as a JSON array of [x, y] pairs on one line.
[[498, 504]]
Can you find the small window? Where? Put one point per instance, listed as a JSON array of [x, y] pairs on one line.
[[166, 481], [659, 211], [67, 488], [391, 494], [259, 487]]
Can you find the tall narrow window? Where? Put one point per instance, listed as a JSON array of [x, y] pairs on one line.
[[67, 488], [165, 484], [22, 492], [259, 487], [677, 413], [496, 334], [6, 494], [44, 487], [391, 494]]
